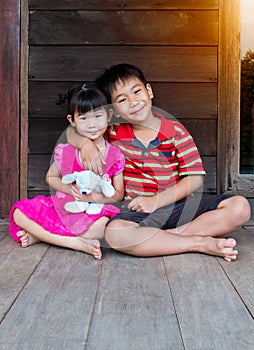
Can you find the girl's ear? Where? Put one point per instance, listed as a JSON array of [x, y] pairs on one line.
[[69, 117], [149, 90]]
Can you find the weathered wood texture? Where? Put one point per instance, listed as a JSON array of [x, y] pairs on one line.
[[49, 28], [177, 64], [175, 44], [9, 92], [126, 5], [54, 298]]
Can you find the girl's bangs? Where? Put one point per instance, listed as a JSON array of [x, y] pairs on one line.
[[89, 100]]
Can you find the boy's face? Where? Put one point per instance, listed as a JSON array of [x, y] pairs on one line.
[[132, 100]]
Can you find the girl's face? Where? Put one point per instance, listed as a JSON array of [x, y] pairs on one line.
[[92, 124], [132, 100]]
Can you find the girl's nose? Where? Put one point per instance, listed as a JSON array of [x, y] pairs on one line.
[[91, 124]]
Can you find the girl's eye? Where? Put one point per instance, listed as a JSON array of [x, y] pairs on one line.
[[98, 115]]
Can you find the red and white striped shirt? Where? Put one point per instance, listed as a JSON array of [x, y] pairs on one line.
[[152, 169]]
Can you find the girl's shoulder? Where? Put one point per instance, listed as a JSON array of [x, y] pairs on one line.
[[64, 149], [114, 150], [64, 155]]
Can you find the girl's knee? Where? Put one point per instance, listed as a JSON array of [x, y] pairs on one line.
[[17, 216]]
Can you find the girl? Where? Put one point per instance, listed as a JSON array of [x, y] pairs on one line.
[[44, 218]]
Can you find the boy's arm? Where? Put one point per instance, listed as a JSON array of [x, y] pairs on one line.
[[91, 157], [182, 189]]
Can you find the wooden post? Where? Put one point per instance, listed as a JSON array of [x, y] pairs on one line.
[[9, 92]]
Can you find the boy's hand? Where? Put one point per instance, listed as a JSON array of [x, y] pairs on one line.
[[144, 204], [92, 158]]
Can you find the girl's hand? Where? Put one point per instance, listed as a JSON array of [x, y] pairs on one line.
[[92, 158], [74, 192], [144, 204]]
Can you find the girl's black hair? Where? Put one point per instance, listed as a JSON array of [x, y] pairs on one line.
[[120, 72], [84, 98]]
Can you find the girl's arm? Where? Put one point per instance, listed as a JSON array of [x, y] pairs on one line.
[[117, 182], [54, 180], [92, 158]]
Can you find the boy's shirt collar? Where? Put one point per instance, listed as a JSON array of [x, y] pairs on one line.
[[166, 132]]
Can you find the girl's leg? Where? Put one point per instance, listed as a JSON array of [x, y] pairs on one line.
[[33, 233]]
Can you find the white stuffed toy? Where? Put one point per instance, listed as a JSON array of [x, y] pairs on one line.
[[87, 181]]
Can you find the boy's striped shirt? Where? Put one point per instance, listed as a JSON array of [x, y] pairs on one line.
[[172, 155]]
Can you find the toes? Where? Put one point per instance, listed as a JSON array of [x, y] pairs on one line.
[[231, 256], [231, 243]]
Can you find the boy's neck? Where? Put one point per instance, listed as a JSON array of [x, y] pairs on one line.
[[147, 132]]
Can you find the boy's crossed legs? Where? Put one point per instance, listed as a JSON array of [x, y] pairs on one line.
[[196, 236]]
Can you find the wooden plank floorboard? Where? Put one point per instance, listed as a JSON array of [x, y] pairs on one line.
[[16, 266], [53, 298], [211, 314], [241, 273], [53, 311], [134, 307]]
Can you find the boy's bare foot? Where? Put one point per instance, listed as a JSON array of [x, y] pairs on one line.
[[91, 246], [26, 238], [223, 247]]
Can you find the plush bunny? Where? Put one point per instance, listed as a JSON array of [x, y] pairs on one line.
[[88, 181]]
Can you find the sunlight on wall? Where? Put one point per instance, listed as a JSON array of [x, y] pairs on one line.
[[247, 26], [247, 88]]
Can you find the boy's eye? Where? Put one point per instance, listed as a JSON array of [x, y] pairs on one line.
[[82, 118], [137, 91], [98, 115], [122, 100]]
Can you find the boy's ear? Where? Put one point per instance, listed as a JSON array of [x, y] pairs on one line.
[[150, 90]]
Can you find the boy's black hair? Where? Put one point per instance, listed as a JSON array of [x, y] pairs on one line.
[[120, 72], [83, 98]]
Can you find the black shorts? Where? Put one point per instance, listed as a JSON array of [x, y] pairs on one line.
[[176, 214]]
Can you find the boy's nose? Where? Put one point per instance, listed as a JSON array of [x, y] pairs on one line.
[[133, 102]]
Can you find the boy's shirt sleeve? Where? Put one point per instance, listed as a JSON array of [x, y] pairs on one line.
[[188, 156], [111, 133]]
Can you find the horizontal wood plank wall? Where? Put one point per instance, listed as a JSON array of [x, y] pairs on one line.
[[175, 44]]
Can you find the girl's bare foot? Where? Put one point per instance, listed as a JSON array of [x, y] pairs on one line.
[[26, 238], [223, 247], [91, 246]]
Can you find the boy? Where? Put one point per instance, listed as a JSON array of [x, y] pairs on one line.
[[163, 169]]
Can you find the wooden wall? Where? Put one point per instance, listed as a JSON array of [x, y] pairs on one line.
[[174, 42], [9, 92]]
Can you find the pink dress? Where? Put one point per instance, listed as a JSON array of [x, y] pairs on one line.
[[49, 211]]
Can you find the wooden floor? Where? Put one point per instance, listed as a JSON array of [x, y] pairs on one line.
[[54, 298]]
